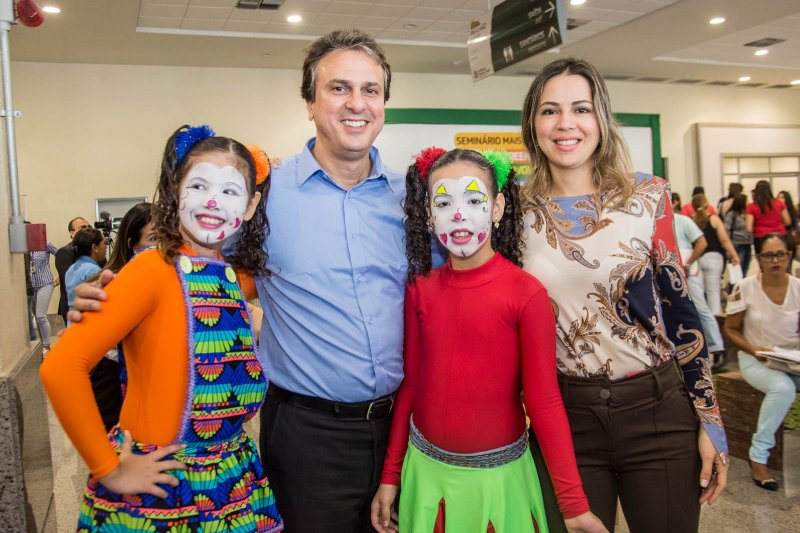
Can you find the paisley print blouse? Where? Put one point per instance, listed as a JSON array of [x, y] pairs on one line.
[[618, 291]]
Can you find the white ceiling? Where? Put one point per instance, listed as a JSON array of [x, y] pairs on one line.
[[666, 40]]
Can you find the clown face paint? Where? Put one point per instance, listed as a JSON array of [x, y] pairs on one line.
[[461, 209], [213, 202]]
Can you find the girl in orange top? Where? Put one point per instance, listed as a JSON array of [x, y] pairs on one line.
[[179, 459]]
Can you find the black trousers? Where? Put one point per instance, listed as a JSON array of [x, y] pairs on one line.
[[107, 390], [324, 470], [555, 520], [636, 439]]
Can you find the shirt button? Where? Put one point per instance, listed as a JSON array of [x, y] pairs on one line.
[[605, 394], [355, 235], [360, 278], [370, 321]]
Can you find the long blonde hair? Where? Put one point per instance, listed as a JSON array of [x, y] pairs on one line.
[[613, 168]]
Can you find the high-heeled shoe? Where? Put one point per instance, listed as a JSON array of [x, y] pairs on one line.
[[770, 484]]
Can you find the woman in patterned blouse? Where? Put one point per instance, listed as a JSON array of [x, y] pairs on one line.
[[633, 366]]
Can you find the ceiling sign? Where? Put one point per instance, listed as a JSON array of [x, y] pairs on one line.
[[512, 31]]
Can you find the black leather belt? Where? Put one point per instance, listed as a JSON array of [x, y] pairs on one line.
[[371, 410]]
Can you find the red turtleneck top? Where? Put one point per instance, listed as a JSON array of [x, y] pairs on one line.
[[473, 340]]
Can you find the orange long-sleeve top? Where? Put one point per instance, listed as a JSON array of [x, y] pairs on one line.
[[145, 310]]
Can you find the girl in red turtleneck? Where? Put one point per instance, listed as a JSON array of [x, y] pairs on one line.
[[477, 332]]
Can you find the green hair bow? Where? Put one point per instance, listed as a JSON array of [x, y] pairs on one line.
[[501, 161]]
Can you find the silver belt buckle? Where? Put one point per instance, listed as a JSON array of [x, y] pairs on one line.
[[372, 403]]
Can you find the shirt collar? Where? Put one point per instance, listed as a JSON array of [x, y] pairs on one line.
[[309, 167], [86, 259]]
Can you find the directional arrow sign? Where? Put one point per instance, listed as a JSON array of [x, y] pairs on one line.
[[512, 31]]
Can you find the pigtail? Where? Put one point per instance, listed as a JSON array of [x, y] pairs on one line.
[[507, 238], [251, 254], [165, 205], [418, 235]]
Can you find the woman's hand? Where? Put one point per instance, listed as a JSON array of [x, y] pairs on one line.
[[585, 523], [756, 349], [140, 474], [383, 519], [713, 473]]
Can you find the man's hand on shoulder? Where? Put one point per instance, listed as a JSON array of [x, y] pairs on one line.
[[89, 295]]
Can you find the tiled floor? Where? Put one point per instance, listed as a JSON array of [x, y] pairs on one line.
[[743, 508]]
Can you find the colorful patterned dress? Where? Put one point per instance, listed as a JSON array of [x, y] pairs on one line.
[[622, 302], [224, 487]]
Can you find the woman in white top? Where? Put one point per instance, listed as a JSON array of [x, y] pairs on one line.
[[763, 312]]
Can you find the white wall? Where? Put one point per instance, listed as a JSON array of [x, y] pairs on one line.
[[14, 345]]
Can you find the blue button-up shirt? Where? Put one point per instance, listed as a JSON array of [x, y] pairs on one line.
[[333, 307], [80, 271]]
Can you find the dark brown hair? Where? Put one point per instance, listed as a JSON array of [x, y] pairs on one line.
[[129, 233], [341, 40], [762, 196], [249, 254], [506, 239], [85, 239]]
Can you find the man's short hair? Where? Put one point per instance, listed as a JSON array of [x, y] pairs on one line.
[[69, 226], [341, 40]]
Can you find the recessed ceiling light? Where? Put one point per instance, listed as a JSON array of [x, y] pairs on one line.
[[266, 54], [410, 25], [744, 78], [577, 2], [51, 9], [294, 18], [795, 82], [717, 20], [458, 62], [762, 52]]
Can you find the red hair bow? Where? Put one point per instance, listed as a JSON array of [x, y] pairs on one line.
[[427, 158]]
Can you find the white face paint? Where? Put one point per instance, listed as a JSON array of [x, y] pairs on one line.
[[212, 204], [462, 214]]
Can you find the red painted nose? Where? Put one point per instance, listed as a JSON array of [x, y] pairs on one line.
[[212, 203], [457, 216]]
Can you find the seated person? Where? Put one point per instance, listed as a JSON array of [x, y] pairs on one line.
[[763, 313]]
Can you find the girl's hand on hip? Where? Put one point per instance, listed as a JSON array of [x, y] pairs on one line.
[[713, 473], [585, 523], [383, 518], [141, 474]]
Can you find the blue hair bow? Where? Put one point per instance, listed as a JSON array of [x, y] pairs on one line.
[[186, 139]]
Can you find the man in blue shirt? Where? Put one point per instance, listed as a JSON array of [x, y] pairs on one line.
[[332, 332]]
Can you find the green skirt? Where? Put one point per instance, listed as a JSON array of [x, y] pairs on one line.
[[469, 499]]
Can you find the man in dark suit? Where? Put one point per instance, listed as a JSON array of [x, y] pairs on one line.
[[64, 259]]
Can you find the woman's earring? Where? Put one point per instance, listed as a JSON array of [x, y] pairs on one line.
[[496, 224]]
